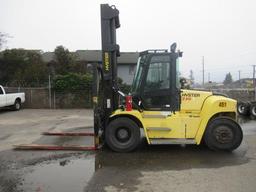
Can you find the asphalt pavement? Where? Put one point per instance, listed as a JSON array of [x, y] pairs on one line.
[[150, 168]]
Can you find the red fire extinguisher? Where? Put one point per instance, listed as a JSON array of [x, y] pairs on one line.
[[128, 102]]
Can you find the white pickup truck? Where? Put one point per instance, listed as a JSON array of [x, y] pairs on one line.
[[13, 100]]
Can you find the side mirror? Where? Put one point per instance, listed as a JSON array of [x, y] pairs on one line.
[[173, 47]]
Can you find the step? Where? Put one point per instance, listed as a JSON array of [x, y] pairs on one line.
[[171, 141], [158, 129]]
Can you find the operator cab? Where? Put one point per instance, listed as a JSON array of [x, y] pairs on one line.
[[156, 82]]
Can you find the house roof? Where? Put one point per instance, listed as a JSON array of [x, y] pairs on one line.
[[47, 56], [89, 55], [128, 57], [95, 56]]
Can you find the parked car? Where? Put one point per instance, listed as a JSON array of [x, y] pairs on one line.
[[13, 100]]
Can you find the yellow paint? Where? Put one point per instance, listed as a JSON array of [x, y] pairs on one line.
[[197, 108], [210, 108], [192, 100], [106, 61]]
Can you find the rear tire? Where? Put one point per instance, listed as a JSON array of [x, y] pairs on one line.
[[243, 108], [253, 110], [122, 135], [17, 105], [223, 134]]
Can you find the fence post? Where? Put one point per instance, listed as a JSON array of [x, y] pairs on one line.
[[50, 94], [31, 99], [54, 101]]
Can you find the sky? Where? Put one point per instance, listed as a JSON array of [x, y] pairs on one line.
[[223, 31]]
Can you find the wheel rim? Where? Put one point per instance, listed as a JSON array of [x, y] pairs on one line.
[[241, 108], [223, 134], [123, 134], [17, 105]]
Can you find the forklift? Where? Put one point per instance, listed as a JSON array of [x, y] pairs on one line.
[[156, 105]]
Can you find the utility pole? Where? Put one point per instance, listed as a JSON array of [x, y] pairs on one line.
[[239, 75], [209, 77], [254, 82], [203, 69]]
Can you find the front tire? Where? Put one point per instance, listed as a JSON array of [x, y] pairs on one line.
[[223, 134], [122, 135], [17, 105]]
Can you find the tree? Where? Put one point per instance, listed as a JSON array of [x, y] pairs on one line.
[[228, 79], [20, 67], [64, 61], [72, 82], [125, 88], [36, 71]]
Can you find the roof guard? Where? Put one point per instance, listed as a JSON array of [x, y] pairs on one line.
[[154, 51]]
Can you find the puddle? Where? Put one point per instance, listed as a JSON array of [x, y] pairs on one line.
[[65, 175]]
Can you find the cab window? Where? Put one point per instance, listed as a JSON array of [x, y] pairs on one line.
[[158, 76], [157, 83]]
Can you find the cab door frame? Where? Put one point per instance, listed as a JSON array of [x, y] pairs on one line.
[[172, 92]]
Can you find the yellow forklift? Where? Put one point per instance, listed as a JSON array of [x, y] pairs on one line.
[[157, 105]]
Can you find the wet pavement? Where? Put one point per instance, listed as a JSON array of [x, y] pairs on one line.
[[150, 168], [66, 174]]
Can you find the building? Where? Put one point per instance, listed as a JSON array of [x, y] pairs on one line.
[[126, 62]]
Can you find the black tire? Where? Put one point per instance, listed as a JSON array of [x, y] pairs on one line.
[[17, 105], [243, 108], [253, 110], [223, 134], [122, 135]]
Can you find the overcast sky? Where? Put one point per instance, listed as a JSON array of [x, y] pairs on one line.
[[223, 31]]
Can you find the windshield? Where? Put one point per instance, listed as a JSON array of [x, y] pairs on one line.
[[158, 75], [137, 77]]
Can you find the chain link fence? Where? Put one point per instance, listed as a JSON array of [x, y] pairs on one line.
[[240, 94], [45, 96], [48, 98]]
